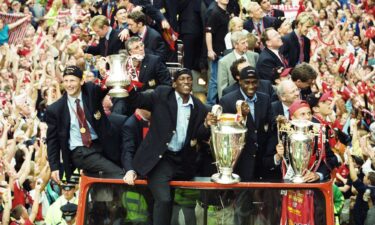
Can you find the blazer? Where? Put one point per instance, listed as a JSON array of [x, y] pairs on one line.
[[153, 72], [113, 147], [114, 45], [132, 136], [267, 21], [267, 65], [224, 77], [250, 163], [162, 104], [58, 121], [291, 49], [154, 44]]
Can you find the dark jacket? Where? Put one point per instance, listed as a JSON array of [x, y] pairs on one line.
[[250, 162], [163, 106], [114, 45], [154, 44], [291, 49], [267, 65], [58, 121]]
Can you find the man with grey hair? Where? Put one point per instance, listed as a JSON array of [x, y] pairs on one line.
[[288, 92], [240, 50]]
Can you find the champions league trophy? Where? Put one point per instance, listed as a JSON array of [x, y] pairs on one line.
[[300, 139], [118, 75], [227, 139]]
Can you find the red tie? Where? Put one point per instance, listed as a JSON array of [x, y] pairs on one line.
[[283, 60], [84, 128], [106, 47], [301, 52]]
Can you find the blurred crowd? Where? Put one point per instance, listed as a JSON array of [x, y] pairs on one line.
[[331, 43]]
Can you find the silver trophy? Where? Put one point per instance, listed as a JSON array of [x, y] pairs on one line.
[[228, 140], [118, 75], [300, 138]]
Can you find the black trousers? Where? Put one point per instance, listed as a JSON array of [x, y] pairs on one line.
[[92, 161], [166, 170]]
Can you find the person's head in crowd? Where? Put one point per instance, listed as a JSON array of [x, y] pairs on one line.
[[18, 214], [323, 68], [248, 81], [271, 39], [321, 104], [304, 22], [239, 42], [121, 15], [69, 212], [348, 35], [265, 5], [356, 41], [4, 7], [89, 76], [285, 28], [73, 49], [100, 25], [183, 83], [235, 24], [323, 15], [282, 74], [15, 6], [136, 22], [252, 41], [303, 75], [135, 47], [22, 103], [288, 92], [255, 11], [76, 30], [300, 110], [68, 190], [57, 4], [369, 179], [72, 80], [326, 29], [234, 68]]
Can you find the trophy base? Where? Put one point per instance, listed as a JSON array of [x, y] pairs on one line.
[[118, 93], [298, 179], [225, 178]]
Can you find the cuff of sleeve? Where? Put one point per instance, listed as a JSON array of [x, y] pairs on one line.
[[277, 162], [321, 177]]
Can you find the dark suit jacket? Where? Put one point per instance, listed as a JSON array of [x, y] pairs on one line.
[[291, 49], [132, 136], [250, 162], [268, 21], [114, 45], [153, 72], [58, 121], [264, 86], [279, 15], [154, 44], [163, 106], [112, 149], [277, 108], [267, 65]]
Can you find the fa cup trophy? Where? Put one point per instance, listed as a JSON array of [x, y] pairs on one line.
[[118, 75], [299, 138], [227, 139]]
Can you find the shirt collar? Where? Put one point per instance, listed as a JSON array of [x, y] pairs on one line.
[[108, 33], [143, 32], [72, 99], [238, 56], [180, 100], [252, 100]]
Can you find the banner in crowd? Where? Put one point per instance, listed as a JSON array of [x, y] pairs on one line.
[[17, 34]]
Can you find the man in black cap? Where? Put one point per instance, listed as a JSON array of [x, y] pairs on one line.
[[69, 212], [79, 128], [169, 150]]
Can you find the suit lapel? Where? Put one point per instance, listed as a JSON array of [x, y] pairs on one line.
[[193, 115], [86, 106], [275, 57], [66, 114], [257, 111], [172, 103], [143, 70]]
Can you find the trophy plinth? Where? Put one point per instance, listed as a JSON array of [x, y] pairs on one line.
[[225, 176]]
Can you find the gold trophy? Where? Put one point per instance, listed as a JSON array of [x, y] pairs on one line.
[[227, 140], [300, 139]]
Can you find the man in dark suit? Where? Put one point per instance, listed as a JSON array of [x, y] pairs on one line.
[[78, 128], [154, 43], [264, 86], [259, 121], [296, 46], [279, 15], [149, 72], [169, 149], [258, 22], [109, 42], [270, 58]]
